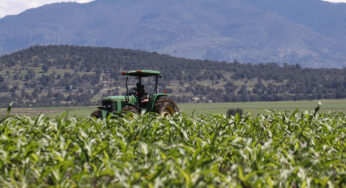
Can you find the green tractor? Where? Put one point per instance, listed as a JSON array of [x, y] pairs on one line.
[[137, 100]]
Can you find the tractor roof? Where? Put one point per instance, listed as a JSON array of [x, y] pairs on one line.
[[142, 73]]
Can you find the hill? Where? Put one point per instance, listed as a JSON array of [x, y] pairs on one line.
[[326, 18], [216, 30], [70, 76]]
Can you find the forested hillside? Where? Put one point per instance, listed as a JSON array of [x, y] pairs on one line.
[[70, 75]]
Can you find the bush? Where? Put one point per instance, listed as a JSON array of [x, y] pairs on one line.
[[4, 87], [234, 111]]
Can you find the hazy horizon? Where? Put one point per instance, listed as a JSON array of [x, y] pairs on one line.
[[14, 7]]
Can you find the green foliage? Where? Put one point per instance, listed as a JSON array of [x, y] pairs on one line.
[[234, 111], [70, 76], [9, 108], [289, 149]]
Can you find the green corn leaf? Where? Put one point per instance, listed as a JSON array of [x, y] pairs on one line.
[[9, 108]]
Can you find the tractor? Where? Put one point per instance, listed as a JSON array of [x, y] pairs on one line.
[[137, 101]]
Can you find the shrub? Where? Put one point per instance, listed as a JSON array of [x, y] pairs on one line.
[[234, 111]]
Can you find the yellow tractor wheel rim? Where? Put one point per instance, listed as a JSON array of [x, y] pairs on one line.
[[168, 111]]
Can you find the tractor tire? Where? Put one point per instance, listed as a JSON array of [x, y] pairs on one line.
[[96, 114], [165, 106], [128, 109]]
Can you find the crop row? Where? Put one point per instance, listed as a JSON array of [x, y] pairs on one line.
[[288, 149]]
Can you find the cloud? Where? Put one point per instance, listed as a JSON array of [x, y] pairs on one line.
[[11, 7], [336, 1]]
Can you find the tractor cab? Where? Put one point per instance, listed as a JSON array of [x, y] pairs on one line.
[[138, 99], [139, 90]]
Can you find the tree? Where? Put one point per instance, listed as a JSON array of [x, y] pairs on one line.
[[4, 87], [45, 68]]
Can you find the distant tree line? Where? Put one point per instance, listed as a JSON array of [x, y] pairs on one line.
[[70, 75]]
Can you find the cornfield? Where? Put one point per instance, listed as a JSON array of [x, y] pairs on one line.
[[276, 149]]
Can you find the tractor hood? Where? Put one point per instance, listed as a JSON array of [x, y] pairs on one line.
[[119, 98]]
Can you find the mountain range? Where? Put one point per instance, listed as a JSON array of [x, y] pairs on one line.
[[306, 32]]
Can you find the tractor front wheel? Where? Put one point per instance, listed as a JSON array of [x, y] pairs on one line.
[[165, 106]]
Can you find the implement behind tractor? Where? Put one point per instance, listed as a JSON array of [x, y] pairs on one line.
[[137, 100]]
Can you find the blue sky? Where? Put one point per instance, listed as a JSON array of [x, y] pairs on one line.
[[11, 7]]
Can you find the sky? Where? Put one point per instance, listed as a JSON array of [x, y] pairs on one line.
[[12, 7]]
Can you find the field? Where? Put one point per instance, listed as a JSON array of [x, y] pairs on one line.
[[261, 107], [272, 149], [203, 108]]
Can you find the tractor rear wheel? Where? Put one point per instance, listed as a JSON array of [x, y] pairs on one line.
[[165, 106], [129, 108]]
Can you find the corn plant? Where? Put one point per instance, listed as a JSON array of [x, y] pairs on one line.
[[277, 149]]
